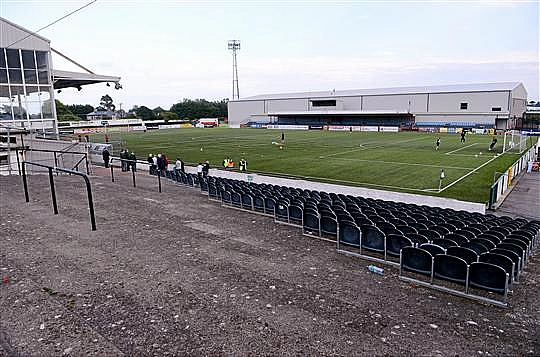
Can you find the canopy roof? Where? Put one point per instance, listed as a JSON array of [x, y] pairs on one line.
[[67, 79]]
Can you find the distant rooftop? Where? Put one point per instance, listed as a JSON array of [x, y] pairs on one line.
[[450, 88]]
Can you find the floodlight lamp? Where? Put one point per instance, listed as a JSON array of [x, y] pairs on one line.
[[117, 85], [79, 88], [59, 91], [108, 85], [233, 45]]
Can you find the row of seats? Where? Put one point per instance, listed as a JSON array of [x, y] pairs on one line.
[[436, 239]]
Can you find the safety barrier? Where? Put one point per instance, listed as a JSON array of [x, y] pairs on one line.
[[53, 191], [133, 164], [499, 188]]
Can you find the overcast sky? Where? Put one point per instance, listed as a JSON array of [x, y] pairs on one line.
[[169, 50]]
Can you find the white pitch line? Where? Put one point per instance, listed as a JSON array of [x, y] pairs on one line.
[[356, 183], [406, 163], [462, 177], [453, 151], [373, 147]]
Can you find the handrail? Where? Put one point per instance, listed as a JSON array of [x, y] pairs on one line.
[[133, 170], [53, 192], [61, 152]]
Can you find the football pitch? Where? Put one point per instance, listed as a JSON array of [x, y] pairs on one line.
[[404, 162]]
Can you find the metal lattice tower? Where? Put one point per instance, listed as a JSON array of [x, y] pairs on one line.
[[234, 45]]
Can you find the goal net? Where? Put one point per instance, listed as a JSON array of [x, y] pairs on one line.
[[514, 141]]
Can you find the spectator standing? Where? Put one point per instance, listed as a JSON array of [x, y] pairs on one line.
[[179, 165], [106, 156], [154, 159], [162, 164], [123, 158], [151, 167], [199, 171], [133, 161], [206, 169]]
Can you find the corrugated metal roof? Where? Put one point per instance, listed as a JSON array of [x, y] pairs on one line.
[[449, 88], [338, 112]]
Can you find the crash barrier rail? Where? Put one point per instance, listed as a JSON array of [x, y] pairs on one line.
[[57, 154], [499, 188], [133, 169], [53, 191]]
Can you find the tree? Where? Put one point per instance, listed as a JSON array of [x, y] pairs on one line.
[[157, 111], [145, 113], [80, 110], [166, 115], [200, 108], [63, 113], [106, 103]]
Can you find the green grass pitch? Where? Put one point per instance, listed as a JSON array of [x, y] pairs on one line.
[[404, 162]]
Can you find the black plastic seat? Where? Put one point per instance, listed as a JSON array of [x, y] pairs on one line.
[[395, 242], [329, 226], [416, 238], [501, 260], [441, 230], [514, 248], [372, 239], [295, 214], [406, 229], [429, 234], [416, 260], [450, 268], [466, 254], [485, 242], [445, 243], [490, 277], [247, 201], [479, 248], [349, 234], [433, 249], [311, 223], [458, 238]]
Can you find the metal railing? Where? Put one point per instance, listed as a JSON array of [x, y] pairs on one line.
[[505, 180], [133, 169], [53, 191], [56, 155]]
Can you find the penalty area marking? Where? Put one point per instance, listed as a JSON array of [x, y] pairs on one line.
[[362, 147], [453, 151], [464, 176]]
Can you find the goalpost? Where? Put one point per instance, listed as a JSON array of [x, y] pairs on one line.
[[514, 141]]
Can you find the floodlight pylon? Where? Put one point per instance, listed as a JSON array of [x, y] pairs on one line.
[[234, 45]]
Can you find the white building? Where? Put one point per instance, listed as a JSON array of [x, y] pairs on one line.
[[28, 80], [485, 105]]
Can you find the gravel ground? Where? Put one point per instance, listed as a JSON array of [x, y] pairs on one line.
[[177, 274]]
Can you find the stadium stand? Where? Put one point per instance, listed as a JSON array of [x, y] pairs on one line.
[[467, 254]]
